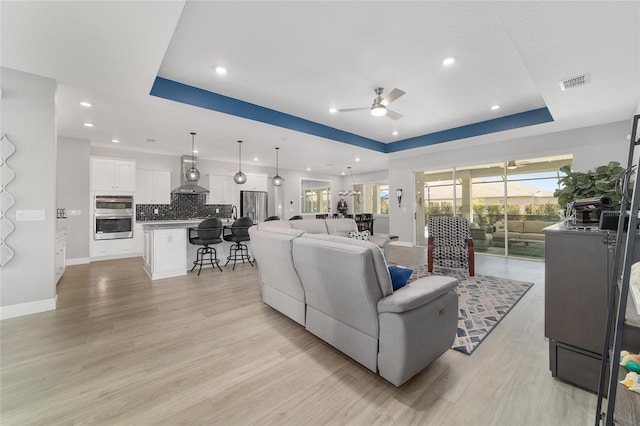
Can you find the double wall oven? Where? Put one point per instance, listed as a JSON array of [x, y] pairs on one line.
[[113, 217]]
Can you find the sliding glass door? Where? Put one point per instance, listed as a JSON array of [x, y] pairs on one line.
[[507, 203]]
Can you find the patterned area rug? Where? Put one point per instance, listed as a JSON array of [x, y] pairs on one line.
[[483, 302]]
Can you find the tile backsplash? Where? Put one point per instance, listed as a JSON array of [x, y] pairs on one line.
[[183, 206]]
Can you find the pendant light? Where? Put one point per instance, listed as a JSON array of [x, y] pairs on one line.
[[192, 175], [350, 192], [277, 179], [240, 178]]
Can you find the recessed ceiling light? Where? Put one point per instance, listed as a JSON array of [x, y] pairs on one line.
[[342, 173], [448, 61], [85, 104], [495, 107], [88, 124], [395, 133], [256, 159], [333, 110], [221, 70], [195, 151], [357, 158], [308, 169], [115, 141]]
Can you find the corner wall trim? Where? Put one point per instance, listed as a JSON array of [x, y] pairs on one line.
[[28, 308]]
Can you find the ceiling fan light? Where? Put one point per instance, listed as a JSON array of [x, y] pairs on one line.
[[378, 110]]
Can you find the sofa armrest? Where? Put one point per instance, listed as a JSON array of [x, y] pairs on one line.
[[417, 293]]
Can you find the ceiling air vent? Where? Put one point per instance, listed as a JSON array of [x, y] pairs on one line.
[[572, 82]]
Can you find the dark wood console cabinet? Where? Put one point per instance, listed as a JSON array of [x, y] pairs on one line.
[[576, 301], [578, 267]]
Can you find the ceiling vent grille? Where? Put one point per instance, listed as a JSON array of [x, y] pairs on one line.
[[572, 82]]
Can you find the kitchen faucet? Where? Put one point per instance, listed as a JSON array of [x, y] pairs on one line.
[[234, 212]]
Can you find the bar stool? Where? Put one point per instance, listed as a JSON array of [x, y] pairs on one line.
[[207, 233], [239, 234]]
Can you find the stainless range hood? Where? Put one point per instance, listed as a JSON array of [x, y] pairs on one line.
[[188, 186]]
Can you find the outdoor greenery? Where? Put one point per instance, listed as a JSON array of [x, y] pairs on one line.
[[598, 183], [487, 214]]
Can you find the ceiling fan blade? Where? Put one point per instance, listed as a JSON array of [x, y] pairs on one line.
[[393, 115], [395, 94], [352, 109]]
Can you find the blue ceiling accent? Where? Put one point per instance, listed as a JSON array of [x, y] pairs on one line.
[[179, 92], [175, 91], [508, 122]]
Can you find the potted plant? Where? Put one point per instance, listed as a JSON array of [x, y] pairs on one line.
[[600, 182]]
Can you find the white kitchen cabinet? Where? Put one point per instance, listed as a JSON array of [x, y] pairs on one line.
[[153, 187], [222, 190], [112, 249], [165, 252], [113, 175], [255, 182], [60, 261], [138, 238]]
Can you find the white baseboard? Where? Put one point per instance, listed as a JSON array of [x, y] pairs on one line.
[[77, 261], [114, 257], [28, 308]]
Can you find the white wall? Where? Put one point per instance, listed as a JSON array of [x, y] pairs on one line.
[[73, 194], [28, 118], [590, 147]]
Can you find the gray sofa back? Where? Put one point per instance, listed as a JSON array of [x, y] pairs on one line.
[[343, 280], [279, 280]]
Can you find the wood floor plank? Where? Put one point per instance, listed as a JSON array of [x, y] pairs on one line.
[[122, 349]]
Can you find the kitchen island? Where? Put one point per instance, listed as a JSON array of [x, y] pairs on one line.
[[167, 251]]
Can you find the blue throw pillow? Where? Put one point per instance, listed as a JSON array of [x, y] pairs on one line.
[[399, 276]]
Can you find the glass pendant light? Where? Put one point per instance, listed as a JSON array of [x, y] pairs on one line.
[[192, 174], [277, 179], [240, 178]]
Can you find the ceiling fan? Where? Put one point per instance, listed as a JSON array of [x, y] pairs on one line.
[[379, 107], [513, 164]]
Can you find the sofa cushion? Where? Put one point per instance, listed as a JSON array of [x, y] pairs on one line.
[[515, 225], [341, 227], [359, 235], [536, 226], [312, 226], [379, 262], [399, 276], [274, 224], [417, 293]]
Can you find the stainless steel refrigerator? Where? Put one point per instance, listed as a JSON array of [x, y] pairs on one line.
[[254, 205]]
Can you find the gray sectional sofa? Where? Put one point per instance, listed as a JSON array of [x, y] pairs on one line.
[[520, 230], [340, 290]]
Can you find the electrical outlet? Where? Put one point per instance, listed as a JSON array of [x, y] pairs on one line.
[[155, 211]]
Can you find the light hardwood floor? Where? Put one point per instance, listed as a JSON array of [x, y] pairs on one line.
[[121, 349]]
